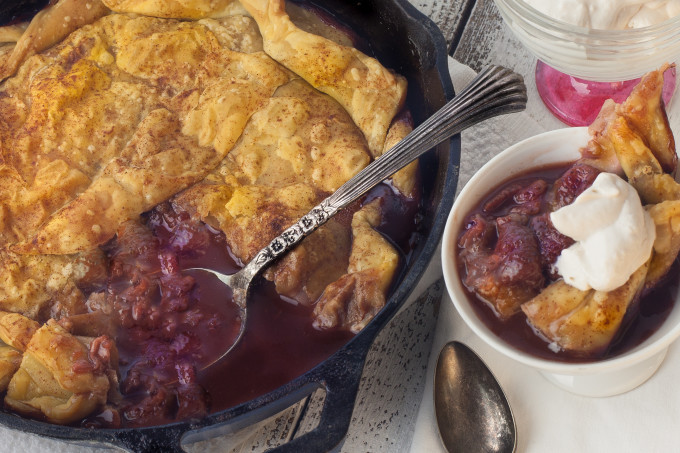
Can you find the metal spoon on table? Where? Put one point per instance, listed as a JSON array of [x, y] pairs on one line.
[[495, 91], [472, 411]]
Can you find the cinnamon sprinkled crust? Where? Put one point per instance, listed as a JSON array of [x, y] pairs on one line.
[[370, 93], [139, 102]]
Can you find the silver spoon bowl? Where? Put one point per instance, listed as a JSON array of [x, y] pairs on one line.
[[495, 91], [472, 411]]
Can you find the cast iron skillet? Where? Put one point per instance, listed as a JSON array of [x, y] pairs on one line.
[[407, 41]]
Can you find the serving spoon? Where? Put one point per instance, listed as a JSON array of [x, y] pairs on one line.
[[472, 411], [495, 91]]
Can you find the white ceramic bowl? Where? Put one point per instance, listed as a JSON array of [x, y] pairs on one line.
[[602, 378], [597, 55]]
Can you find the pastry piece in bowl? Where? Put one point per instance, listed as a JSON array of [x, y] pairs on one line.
[[575, 254], [601, 217], [638, 134], [505, 257]]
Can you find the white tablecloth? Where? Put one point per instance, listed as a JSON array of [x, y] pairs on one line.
[[548, 418]]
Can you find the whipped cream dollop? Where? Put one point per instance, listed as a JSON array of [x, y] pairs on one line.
[[614, 235], [608, 14]]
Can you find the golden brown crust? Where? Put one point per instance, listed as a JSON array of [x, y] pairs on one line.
[[405, 179], [10, 360], [641, 122], [177, 9], [107, 127], [584, 322], [35, 285], [50, 26], [56, 379], [16, 330], [645, 111], [274, 175], [370, 93], [322, 258], [666, 216], [356, 297]]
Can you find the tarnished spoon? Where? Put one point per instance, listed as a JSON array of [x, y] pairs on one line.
[[495, 91], [472, 411]]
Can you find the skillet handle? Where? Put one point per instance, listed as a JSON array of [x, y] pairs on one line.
[[148, 440], [341, 378]]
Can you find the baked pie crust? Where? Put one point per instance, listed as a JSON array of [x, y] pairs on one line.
[[232, 112]]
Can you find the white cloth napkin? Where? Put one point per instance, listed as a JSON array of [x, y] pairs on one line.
[[548, 418]]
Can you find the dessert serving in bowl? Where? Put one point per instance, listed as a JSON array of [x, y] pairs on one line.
[[115, 179], [593, 304], [592, 51]]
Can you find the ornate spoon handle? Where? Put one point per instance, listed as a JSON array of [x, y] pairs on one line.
[[495, 91]]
